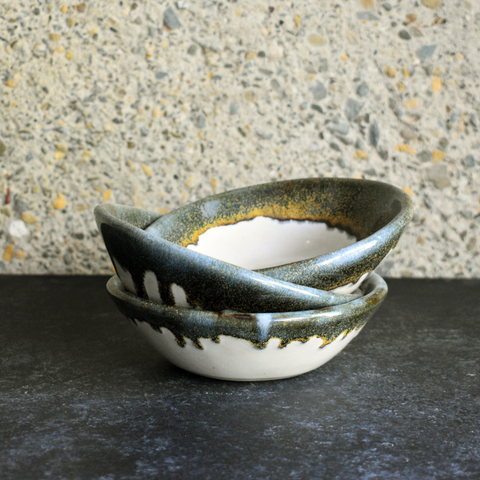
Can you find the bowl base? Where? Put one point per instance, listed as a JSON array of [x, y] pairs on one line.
[[235, 359]]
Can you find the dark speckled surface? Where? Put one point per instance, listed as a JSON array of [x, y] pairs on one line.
[[82, 396]]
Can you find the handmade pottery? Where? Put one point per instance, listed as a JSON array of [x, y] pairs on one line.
[[327, 233], [152, 267], [249, 346]]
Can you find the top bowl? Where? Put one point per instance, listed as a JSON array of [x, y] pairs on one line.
[[149, 254], [156, 269], [326, 233]]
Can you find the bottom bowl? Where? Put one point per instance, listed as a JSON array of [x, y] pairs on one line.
[[249, 347]]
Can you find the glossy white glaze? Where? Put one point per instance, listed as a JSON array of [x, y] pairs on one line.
[[239, 360], [266, 242], [150, 283], [179, 296], [125, 277], [351, 287]]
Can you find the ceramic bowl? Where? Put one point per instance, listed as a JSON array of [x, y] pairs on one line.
[[249, 347], [326, 233], [156, 269]]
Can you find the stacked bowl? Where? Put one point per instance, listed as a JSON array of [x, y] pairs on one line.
[[259, 283]]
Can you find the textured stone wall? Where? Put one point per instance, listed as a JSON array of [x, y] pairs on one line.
[[157, 104]]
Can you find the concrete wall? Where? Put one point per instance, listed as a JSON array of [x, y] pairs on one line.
[[157, 104]]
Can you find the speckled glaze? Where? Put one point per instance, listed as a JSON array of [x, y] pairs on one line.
[[261, 346], [375, 213], [152, 267]]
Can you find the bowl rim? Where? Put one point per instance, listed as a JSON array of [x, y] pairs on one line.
[[332, 321], [349, 263], [341, 257]]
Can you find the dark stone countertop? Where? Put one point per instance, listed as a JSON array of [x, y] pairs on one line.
[[83, 396]]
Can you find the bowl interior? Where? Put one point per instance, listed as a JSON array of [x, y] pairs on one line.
[[266, 242]]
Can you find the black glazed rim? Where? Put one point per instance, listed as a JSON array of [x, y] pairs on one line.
[[374, 240], [185, 323], [329, 200], [322, 272]]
